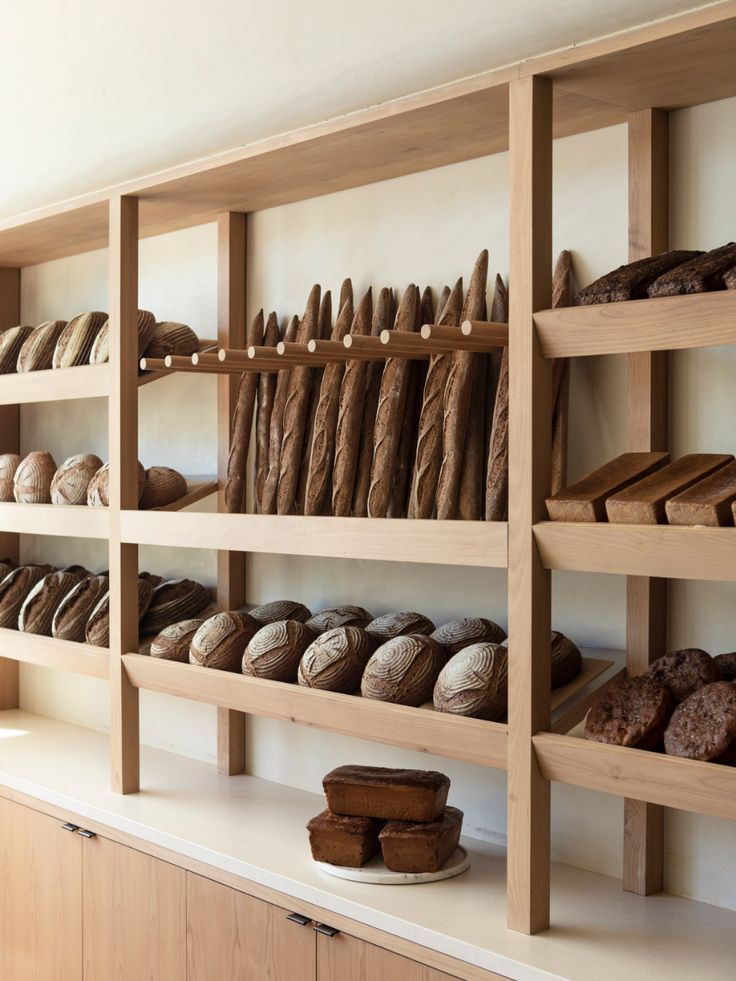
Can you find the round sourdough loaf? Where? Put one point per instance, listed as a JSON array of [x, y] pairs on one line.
[[336, 660], [75, 342], [13, 590], [280, 610], [163, 486], [169, 337], [174, 641], [474, 682], [177, 599], [9, 463], [32, 482], [97, 630], [726, 665], [11, 342], [72, 479], [392, 625], [457, 634], [339, 616], [40, 605], [633, 712], [37, 351], [566, 663], [72, 614], [221, 640], [275, 651], [6, 567], [100, 352], [684, 671], [404, 670], [98, 491]]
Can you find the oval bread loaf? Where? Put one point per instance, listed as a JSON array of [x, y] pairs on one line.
[[73, 477], [163, 486], [403, 670], [335, 661], [38, 609], [173, 643], [339, 616], [100, 352], [474, 682], [457, 634], [177, 599], [280, 610], [32, 482], [566, 660], [72, 614], [13, 590], [75, 342], [98, 491], [9, 463], [392, 625], [168, 337], [11, 342], [6, 567], [38, 348], [220, 641], [97, 630], [275, 651]]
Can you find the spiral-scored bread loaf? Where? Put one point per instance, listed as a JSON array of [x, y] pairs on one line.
[[275, 651], [38, 348], [221, 640], [403, 670], [72, 479], [100, 352], [392, 625], [98, 491], [13, 590], [97, 630], [169, 337], [72, 614], [32, 482], [280, 610], [457, 634], [566, 660], [163, 486], [75, 342], [9, 463], [174, 641], [6, 567], [474, 682], [339, 616], [40, 605], [178, 599], [335, 661], [11, 342]]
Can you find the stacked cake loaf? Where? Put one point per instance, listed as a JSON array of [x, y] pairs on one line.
[[403, 813]]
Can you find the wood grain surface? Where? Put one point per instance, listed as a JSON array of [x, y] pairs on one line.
[[586, 499]]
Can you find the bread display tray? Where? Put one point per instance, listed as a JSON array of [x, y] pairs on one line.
[[376, 873]]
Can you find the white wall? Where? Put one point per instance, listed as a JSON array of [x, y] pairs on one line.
[[426, 228]]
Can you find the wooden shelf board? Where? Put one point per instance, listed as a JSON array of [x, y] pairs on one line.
[[593, 667], [663, 324], [198, 488], [469, 543], [454, 737], [705, 788], [70, 521], [54, 385], [661, 551], [53, 653]]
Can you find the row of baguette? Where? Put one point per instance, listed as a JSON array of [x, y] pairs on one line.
[[81, 479]]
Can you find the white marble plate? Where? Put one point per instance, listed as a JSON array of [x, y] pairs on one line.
[[376, 872]]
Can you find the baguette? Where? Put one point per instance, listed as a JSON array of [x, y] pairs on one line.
[[241, 428], [497, 473], [324, 332], [271, 486], [267, 381], [561, 297], [470, 498]]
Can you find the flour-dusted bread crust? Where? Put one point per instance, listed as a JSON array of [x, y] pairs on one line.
[[339, 616], [174, 641], [38, 609], [275, 651], [13, 590], [220, 641], [335, 661], [271, 487], [11, 344], [98, 491], [163, 486], [9, 463], [73, 612], [177, 599], [392, 625], [71, 481], [284, 609], [74, 344], [404, 670], [474, 682], [700, 275], [37, 351], [566, 660], [703, 726], [100, 352], [32, 481], [634, 712], [97, 631], [457, 634], [168, 337], [684, 671]]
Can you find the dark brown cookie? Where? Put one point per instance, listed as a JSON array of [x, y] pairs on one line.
[[632, 713], [703, 727], [566, 660], [726, 664], [683, 672]]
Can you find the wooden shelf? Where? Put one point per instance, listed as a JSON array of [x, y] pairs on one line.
[[705, 788], [662, 551], [53, 653], [55, 385], [198, 488], [469, 543], [69, 521], [663, 324]]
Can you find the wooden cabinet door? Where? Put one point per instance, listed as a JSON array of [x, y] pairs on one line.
[[134, 915], [40, 897], [342, 957], [236, 937]]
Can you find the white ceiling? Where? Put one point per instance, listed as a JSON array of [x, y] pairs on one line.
[[98, 91]]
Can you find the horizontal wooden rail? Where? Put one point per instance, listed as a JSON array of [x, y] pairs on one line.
[[55, 384], [197, 490], [72, 521], [52, 653]]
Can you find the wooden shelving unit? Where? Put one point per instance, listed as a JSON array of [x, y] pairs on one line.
[[634, 77]]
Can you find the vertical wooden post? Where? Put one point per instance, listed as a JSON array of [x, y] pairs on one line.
[[10, 430], [123, 452], [231, 242], [530, 165], [646, 599]]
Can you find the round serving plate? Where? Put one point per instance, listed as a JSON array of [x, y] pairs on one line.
[[376, 872]]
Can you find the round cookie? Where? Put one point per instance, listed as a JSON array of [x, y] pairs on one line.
[[335, 661], [474, 682], [457, 634], [566, 660], [683, 672], [404, 670], [631, 713], [339, 616], [703, 726], [280, 610], [274, 652], [392, 625], [726, 664]]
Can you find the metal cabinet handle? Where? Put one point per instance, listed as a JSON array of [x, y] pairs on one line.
[[298, 918], [70, 827], [326, 931], [87, 834]]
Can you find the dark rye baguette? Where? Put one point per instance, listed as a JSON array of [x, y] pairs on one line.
[[324, 333], [391, 410], [295, 411], [561, 297], [271, 486], [242, 426], [497, 472], [319, 477], [631, 282], [37, 352], [429, 441], [267, 381], [699, 275]]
